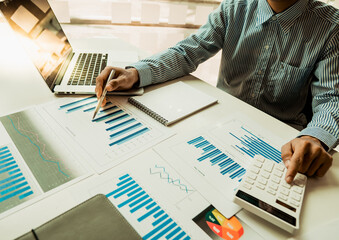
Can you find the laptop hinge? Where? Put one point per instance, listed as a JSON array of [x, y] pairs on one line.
[[63, 69]]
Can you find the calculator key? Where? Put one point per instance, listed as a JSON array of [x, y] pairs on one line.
[[276, 179], [280, 167], [271, 191], [273, 186], [268, 166], [278, 173], [295, 203], [296, 197], [265, 174], [260, 159], [297, 189], [258, 185], [246, 185], [249, 181], [255, 170], [284, 191], [257, 164], [286, 185], [282, 197], [252, 176], [263, 181]]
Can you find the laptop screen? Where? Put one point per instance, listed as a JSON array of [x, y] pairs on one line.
[[40, 32]]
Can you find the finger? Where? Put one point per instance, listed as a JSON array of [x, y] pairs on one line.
[[311, 158], [103, 102], [295, 164], [323, 169], [286, 153], [112, 85], [101, 80]]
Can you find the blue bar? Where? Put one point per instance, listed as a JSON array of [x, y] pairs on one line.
[[230, 168], [75, 102], [245, 151], [79, 107], [234, 175], [122, 177], [156, 222], [2, 153], [173, 233], [138, 200], [3, 148], [135, 191], [179, 236], [141, 205], [156, 229], [148, 214], [126, 191], [120, 188], [14, 171], [218, 159], [124, 181], [10, 178], [99, 119], [204, 143], [225, 163], [187, 238], [121, 124], [209, 155], [11, 189], [6, 156], [6, 160], [7, 164], [126, 130], [198, 139], [208, 148], [165, 231], [109, 108], [131, 199], [25, 195], [158, 214], [127, 138], [89, 109], [12, 183], [8, 169], [151, 205], [14, 194], [117, 118]]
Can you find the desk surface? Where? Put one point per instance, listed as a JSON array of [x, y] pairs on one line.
[[22, 86]]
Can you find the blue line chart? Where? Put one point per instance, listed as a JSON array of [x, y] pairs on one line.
[[165, 175]]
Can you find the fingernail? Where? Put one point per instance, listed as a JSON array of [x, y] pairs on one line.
[[289, 179]]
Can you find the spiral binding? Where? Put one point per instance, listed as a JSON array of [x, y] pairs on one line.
[[148, 111]]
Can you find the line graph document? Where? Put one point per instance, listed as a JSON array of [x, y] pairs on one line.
[[215, 159], [34, 162], [118, 132], [157, 201]]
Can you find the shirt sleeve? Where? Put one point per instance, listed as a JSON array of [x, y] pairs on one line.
[[325, 92], [185, 56]]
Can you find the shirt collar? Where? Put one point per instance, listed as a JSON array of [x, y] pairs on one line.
[[286, 18]]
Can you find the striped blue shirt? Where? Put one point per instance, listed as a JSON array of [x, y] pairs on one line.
[[271, 61]]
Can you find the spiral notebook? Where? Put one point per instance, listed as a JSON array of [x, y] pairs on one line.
[[172, 102]]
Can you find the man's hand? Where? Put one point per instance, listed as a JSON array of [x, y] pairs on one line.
[[122, 80], [305, 155]]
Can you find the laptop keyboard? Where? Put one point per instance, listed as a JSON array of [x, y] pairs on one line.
[[87, 67]]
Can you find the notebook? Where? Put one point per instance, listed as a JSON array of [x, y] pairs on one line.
[[172, 102], [64, 70]]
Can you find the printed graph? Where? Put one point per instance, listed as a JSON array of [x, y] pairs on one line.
[[121, 126], [216, 157], [132, 199], [38, 149], [14, 187]]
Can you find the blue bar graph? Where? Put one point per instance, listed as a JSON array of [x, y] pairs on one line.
[[252, 145], [13, 184], [217, 158], [145, 210]]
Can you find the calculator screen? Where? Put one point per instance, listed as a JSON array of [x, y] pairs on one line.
[[267, 207]]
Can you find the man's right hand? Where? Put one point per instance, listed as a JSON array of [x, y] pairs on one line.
[[123, 79]]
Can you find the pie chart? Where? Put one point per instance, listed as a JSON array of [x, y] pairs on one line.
[[229, 229]]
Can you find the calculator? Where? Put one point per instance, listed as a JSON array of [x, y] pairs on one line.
[[264, 192]]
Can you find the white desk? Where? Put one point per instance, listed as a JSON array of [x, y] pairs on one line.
[[21, 86]]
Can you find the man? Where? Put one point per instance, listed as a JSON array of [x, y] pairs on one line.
[[275, 53]]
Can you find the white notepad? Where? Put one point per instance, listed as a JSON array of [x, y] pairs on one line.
[[173, 102]]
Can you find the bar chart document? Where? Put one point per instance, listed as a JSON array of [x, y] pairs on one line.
[[33, 161], [152, 196], [118, 132], [216, 159]]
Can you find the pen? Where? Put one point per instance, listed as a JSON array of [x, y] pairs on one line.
[[111, 75]]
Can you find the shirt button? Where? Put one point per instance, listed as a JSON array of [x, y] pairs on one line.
[[274, 18]]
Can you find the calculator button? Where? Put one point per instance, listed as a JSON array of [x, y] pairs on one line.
[[263, 181], [278, 173], [294, 203], [280, 167], [255, 170], [252, 176], [265, 174], [284, 191], [273, 186], [271, 191], [268, 166], [249, 181], [260, 186], [276, 179], [257, 164], [246, 185], [286, 185], [296, 197], [297, 189], [260, 159], [282, 197]]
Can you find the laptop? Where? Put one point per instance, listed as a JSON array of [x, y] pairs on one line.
[[64, 70]]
